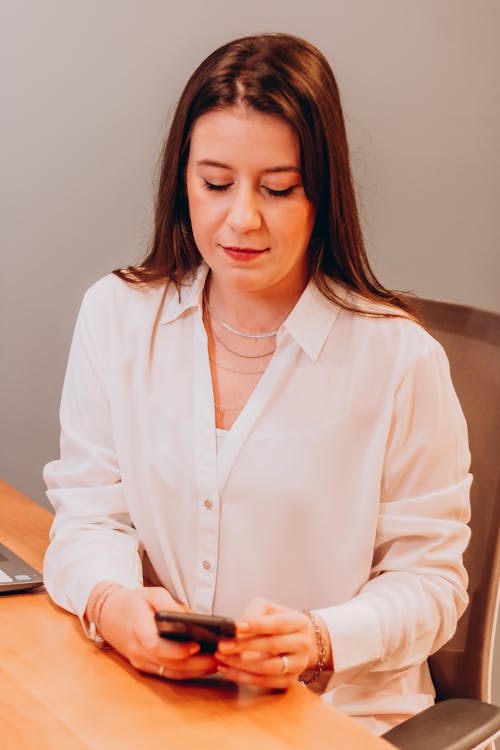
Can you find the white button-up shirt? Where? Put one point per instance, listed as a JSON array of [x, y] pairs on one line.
[[341, 487]]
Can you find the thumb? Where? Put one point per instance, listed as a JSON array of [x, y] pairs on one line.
[[258, 606], [159, 598]]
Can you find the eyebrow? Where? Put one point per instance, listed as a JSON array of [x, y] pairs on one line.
[[221, 165]]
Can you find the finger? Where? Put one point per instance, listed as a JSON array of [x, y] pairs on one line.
[[173, 675], [149, 639], [168, 649], [259, 606], [149, 668], [148, 601], [245, 660], [263, 664], [196, 663], [287, 621], [271, 644], [190, 669], [199, 661], [160, 670], [174, 658], [274, 681], [159, 598]]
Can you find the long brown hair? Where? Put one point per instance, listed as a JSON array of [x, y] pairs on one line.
[[286, 76]]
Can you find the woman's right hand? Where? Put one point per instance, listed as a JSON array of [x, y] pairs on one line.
[[126, 622]]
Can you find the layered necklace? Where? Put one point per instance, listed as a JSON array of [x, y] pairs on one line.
[[235, 330], [242, 356]]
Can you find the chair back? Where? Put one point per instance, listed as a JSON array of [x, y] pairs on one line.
[[471, 338]]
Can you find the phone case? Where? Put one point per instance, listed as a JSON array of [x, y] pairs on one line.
[[186, 626]]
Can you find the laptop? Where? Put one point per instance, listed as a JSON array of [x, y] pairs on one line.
[[15, 573]]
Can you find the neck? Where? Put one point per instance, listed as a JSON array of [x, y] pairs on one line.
[[254, 312]]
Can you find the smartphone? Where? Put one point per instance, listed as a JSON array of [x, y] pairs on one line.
[[187, 626]]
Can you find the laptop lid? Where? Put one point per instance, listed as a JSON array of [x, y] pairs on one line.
[[15, 573]]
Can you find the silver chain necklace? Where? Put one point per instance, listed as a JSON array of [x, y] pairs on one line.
[[230, 369], [235, 330], [238, 354]]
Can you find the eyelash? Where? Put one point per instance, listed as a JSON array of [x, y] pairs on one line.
[[273, 193]]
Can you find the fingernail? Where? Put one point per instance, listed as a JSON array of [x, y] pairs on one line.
[[194, 649], [243, 627]]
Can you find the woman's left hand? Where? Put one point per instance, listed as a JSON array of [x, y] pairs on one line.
[[272, 647]]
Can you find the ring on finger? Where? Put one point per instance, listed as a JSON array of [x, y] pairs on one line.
[[284, 664], [161, 670]]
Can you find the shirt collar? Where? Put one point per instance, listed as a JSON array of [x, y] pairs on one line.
[[312, 318], [309, 323], [190, 296]]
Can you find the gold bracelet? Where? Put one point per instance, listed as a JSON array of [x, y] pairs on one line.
[[98, 597], [95, 617], [321, 642]]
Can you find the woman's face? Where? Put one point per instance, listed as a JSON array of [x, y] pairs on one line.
[[250, 216]]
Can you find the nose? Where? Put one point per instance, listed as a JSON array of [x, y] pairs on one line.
[[244, 213]]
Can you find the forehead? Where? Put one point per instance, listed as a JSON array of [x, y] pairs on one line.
[[242, 136]]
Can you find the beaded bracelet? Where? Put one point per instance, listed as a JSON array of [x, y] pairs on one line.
[[321, 642]]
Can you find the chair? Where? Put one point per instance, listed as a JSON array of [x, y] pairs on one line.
[[463, 717]]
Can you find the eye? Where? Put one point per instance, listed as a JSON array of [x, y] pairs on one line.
[[217, 188], [280, 193]]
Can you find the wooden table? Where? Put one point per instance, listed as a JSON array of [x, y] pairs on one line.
[[58, 692]]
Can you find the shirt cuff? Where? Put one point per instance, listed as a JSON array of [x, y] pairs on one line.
[[355, 637]]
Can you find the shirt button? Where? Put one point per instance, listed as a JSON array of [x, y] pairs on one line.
[[208, 504], [206, 565]]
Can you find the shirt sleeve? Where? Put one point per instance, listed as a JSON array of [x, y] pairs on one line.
[[417, 587], [92, 538]]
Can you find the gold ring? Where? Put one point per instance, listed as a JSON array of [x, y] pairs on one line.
[[161, 670], [284, 664]]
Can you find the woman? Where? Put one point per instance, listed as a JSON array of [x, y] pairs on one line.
[[253, 414]]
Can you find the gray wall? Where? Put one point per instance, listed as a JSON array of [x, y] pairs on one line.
[[86, 88]]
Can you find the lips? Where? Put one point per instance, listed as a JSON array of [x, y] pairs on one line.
[[243, 253]]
